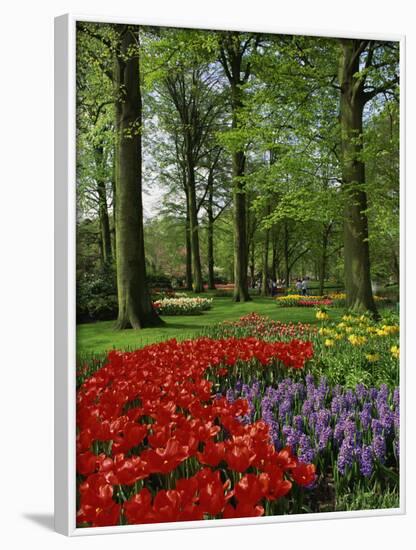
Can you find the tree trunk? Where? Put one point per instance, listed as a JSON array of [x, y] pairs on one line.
[[102, 208], [253, 263], [188, 269], [211, 281], [323, 260], [231, 58], [241, 293], [134, 304], [240, 237], [275, 259], [265, 274], [356, 248], [286, 254], [113, 187], [198, 284]]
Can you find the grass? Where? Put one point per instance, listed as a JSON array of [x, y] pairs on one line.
[[96, 338]]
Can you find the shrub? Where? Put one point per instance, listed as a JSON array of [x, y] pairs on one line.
[[97, 296]]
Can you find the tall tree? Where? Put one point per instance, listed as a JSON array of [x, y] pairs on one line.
[[357, 58], [102, 206], [233, 58], [134, 304]]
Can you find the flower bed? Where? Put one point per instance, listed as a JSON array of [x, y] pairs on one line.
[[335, 299], [182, 306], [312, 302], [298, 300], [352, 436], [261, 326], [358, 350], [153, 445], [261, 418]]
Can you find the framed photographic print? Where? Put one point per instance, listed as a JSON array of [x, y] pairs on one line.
[[229, 275]]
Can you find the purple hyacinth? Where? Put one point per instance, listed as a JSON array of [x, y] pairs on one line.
[[346, 455], [365, 415], [238, 386], [337, 404], [366, 460], [350, 399], [379, 448], [386, 417], [376, 427], [361, 392], [339, 432], [373, 392], [298, 422], [307, 407], [291, 436], [396, 398], [285, 408], [323, 417], [230, 395], [305, 452], [359, 425], [324, 438]]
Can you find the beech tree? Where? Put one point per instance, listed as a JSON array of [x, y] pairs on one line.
[[358, 59], [134, 304]]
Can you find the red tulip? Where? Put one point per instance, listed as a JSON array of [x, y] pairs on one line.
[[213, 453], [304, 474]]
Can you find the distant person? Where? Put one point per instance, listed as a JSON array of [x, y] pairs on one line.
[[304, 286], [299, 286], [274, 287]]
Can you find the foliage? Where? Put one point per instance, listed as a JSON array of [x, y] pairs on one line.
[[97, 295]]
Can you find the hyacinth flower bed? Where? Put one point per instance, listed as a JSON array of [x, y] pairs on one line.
[[155, 445], [352, 436], [182, 305]]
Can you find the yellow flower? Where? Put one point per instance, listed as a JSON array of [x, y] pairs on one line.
[[381, 332], [348, 329], [395, 351], [321, 315], [347, 318], [372, 357], [329, 343], [338, 336], [357, 340], [390, 329]]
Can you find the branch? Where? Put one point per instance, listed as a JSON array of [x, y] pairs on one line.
[[380, 89], [298, 257]]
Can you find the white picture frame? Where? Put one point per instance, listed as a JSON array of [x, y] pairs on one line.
[[65, 309]]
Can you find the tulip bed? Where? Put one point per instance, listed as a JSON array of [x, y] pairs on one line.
[[182, 305], [256, 417], [155, 445], [335, 299]]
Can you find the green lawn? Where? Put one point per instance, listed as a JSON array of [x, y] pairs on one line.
[[101, 337]]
